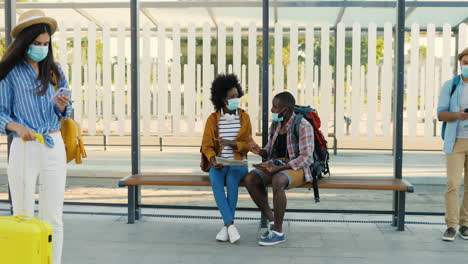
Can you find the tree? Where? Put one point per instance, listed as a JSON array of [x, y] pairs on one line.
[[84, 50]]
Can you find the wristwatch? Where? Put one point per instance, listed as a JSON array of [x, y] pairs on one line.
[[279, 163]]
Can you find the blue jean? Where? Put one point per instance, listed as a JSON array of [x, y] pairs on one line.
[[231, 177]]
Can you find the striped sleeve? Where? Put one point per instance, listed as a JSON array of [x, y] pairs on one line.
[[63, 83], [5, 104], [306, 147]]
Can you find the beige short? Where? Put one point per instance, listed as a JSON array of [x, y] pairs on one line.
[[295, 177]]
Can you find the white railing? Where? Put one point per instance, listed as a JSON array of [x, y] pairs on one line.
[[175, 98]]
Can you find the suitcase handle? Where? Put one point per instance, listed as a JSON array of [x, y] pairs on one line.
[[24, 217]]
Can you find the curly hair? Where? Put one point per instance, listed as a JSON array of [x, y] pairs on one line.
[[220, 87]]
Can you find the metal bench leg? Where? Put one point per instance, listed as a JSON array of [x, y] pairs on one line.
[[263, 220], [395, 208], [105, 142], [131, 204], [401, 211], [138, 215]]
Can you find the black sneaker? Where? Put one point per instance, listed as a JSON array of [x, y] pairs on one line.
[[449, 234], [464, 232]]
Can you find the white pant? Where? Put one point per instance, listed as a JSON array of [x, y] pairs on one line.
[[28, 160]]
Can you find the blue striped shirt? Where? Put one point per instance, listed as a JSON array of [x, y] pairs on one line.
[[19, 102]]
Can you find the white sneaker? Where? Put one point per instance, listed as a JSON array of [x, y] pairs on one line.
[[223, 235], [233, 234]]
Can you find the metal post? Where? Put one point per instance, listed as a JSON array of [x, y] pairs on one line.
[[10, 17], [265, 88], [399, 86], [135, 37], [335, 141], [457, 37], [398, 103]]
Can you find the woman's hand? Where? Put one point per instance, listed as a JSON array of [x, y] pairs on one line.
[[223, 143], [215, 164], [62, 102], [24, 132]]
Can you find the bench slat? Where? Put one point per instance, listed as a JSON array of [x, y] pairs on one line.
[[356, 183]]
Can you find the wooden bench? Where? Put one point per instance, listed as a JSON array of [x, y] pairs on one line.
[[400, 187]]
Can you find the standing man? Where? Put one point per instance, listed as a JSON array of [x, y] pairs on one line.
[[453, 111]]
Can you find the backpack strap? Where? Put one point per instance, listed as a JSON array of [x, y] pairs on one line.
[[455, 83], [273, 127], [296, 124]]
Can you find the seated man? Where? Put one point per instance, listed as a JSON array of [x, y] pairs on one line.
[[284, 168]]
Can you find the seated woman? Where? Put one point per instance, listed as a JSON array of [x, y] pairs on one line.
[[227, 135]]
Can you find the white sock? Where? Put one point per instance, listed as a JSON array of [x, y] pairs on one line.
[[278, 233]]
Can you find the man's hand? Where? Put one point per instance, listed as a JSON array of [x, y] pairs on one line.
[[273, 169], [462, 115], [254, 148], [263, 165]]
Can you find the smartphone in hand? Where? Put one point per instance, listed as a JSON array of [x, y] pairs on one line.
[[62, 91], [258, 166]]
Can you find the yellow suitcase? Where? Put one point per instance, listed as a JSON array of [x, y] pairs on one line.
[[25, 240]]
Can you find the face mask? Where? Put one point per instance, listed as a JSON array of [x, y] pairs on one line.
[[276, 117], [38, 53], [464, 71], [233, 104]]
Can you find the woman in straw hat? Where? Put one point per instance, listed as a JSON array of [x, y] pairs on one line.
[[30, 111]]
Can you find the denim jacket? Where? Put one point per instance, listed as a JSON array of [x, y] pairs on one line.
[[454, 102]]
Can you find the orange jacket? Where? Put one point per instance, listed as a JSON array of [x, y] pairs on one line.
[[211, 148]]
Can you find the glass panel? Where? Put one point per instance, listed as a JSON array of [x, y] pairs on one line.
[[169, 16], [427, 15], [364, 15], [316, 15], [69, 16]]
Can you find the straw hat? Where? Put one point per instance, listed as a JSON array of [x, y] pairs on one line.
[[463, 53], [33, 17]]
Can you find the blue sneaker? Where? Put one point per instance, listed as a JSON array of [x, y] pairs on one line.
[[270, 228], [272, 239]]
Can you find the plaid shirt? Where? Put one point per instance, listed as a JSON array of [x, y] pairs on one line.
[[306, 145]]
